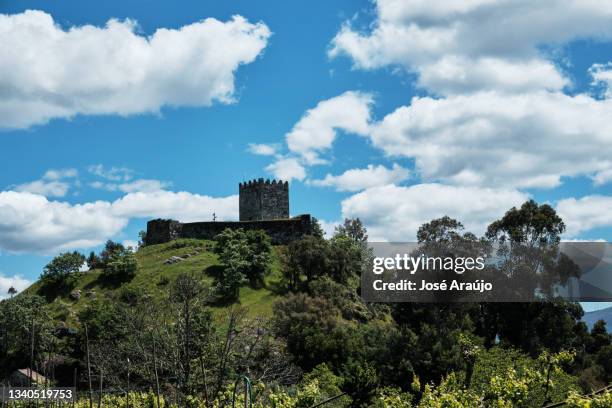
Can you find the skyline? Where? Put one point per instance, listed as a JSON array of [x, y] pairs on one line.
[[113, 114]]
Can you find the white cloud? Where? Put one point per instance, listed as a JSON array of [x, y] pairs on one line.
[[473, 45], [359, 179], [316, 130], [52, 183], [181, 206], [16, 281], [143, 185], [139, 185], [393, 213], [32, 223], [130, 244], [493, 139], [112, 174], [287, 168], [329, 227], [602, 77], [58, 174], [602, 177], [29, 222], [46, 188], [117, 71], [262, 149], [585, 213]]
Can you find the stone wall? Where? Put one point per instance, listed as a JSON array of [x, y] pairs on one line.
[[263, 200], [159, 231], [281, 231]]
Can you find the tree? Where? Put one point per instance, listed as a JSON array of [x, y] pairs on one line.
[[193, 326], [61, 272], [110, 249], [316, 229], [532, 225], [258, 257], [527, 247], [245, 256], [142, 238], [307, 257], [345, 259], [352, 228], [94, 261], [12, 291], [26, 332], [120, 265]]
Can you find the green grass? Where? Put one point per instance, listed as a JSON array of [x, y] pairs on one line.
[[156, 278]]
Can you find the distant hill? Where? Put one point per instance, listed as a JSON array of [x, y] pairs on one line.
[[604, 314], [158, 267]]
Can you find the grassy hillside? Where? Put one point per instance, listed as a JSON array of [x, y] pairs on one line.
[[155, 276]]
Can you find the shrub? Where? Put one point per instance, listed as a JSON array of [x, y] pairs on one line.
[[120, 266], [61, 273]]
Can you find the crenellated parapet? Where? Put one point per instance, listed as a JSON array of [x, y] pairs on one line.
[[262, 200], [264, 205], [256, 183]]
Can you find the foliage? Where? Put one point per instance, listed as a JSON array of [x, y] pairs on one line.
[[94, 261], [245, 256], [23, 322], [120, 265], [307, 257], [111, 248], [322, 341], [61, 273]]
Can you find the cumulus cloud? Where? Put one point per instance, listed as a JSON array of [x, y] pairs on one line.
[[113, 173], [475, 45], [44, 187], [394, 213], [316, 130], [602, 77], [58, 174], [130, 244], [32, 223], [585, 213], [181, 206], [287, 168], [493, 139], [50, 72], [329, 227], [360, 179], [17, 282], [262, 149], [52, 184], [140, 185]]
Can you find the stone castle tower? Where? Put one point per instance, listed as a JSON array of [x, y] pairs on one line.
[[263, 200]]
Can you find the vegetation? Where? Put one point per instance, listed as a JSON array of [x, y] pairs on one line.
[[246, 256], [60, 274], [187, 320]]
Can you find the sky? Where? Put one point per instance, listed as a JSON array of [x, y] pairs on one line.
[[397, 112]]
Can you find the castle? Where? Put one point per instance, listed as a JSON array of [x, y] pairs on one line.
[[263, 205]]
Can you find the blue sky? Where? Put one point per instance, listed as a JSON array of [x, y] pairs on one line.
[[105, 125]]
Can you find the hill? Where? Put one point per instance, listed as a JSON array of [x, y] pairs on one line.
[[158, 267], [604, 314]]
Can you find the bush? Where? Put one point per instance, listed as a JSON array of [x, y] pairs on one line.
[[61, 273], [245, 256], [111, 248], [120, 266]]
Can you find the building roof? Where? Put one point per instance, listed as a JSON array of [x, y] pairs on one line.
[[31, 374]]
